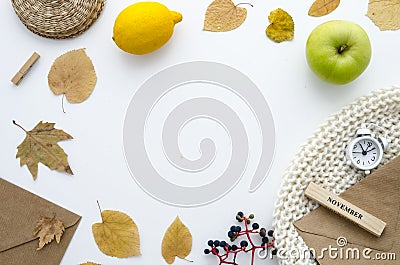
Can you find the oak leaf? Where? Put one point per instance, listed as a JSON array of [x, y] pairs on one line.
[[177, 242], [385, 14], [73, 74], [47, 229], [89, 263], [117, 235], [323, 7], [40, 145], [281, 27], [224, 15]]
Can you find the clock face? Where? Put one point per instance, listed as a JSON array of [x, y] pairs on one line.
[[366, 153]]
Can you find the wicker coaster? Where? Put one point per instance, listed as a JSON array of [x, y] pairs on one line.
[[58, 19]]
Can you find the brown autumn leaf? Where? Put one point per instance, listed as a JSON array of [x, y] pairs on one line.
[[40, 145], [281, 27], [89, 263], [73, 74], [323, 7], [385, 14], [47, 229], [117, 235], [224, 15], [177, 241]]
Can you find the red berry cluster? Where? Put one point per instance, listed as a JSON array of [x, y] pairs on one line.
[[229, 252]]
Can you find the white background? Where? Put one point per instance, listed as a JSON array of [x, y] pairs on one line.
[[298, 100]]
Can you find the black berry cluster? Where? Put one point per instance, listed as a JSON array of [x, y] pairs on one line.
[[241, 241]]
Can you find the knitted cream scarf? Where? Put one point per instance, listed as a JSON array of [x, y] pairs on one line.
[[322, 161]]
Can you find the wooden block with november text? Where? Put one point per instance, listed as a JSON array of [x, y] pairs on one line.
[[346, 209]]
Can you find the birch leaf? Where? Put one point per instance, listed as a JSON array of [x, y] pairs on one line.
[[40, 145], [177, 242], [73, 74], [385, 14], [47, 229], [224, 15], [117, 235], [323, 7], [281, 27]]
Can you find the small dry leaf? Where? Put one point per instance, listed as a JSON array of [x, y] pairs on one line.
[[385, 14], [40, 145], [117, 235], [47, 229], [73, 74], [177, 242], [281, 27], [224, 15], [323, 7], [89, 263]]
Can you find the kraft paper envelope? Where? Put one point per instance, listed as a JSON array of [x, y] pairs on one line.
[[378, 194], [19, 212]]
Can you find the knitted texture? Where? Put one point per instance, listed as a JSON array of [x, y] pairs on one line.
[[322, 160]]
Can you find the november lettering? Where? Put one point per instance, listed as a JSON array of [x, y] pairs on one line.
[[345, 208]]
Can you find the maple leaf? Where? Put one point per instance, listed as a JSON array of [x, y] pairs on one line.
[[40, 145], [177, 242], [47, 229], [224, 15], [117, 235], [281, 27], [73, 74], [385, 14], [323, 7]]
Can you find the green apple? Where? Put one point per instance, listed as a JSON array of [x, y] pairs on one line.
[[338, 51]]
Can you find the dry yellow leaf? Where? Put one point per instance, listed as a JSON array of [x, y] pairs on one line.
[[224, 15], [177, 242], [385, 14], [89, 263], [73, 74], [281, 27], [40, 145], [117, 235], [323, 7], [47, 229]]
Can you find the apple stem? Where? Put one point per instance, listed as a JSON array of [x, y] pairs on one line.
[[342, 48]]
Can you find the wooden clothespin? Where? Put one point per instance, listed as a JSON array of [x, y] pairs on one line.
[[346, 209], [25, 68]]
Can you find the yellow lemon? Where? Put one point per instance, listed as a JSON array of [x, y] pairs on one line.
[[144, 27]]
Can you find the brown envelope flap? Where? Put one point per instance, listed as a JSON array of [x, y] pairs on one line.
[[378, 194], [20, 210]]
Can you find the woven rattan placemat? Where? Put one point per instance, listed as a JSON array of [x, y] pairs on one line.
[[58, 19]]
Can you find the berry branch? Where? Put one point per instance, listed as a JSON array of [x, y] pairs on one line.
[[229, 252]]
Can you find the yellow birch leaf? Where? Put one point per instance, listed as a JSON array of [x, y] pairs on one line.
[[385, 14], [281, 27], [73, 74], [323, 7], [47, 229], [89, 263], [40, 145], [224, 15], [117, 235], [177, 242]]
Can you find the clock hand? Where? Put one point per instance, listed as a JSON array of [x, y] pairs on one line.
[[361, 147], [371, 149], [357, 152]]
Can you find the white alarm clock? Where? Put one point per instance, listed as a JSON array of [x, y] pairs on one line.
[[365, 151]]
